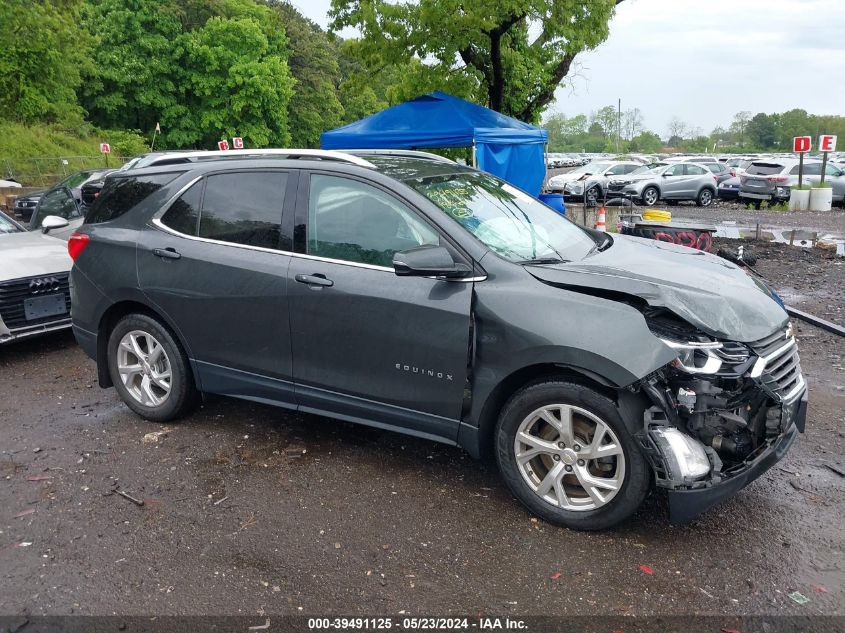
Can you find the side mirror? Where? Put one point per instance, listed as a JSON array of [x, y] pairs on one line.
[[53, 222], [428, 261]]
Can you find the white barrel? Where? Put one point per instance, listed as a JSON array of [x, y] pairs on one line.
[[821, 199], [799, 199]]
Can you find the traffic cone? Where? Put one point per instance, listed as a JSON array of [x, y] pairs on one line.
[[600, 225]]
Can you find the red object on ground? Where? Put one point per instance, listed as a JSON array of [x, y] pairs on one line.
[[646, 569], [556, 575]]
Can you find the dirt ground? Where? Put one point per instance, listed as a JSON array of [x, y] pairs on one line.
[[249, 509]]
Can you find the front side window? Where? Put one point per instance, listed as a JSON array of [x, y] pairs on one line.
[[675, 170], [508, 221], [7, 226], [58, 202], [353, 221], [244, 208]]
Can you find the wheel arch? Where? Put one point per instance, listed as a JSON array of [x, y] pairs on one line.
[[478, 440], [109, 319]]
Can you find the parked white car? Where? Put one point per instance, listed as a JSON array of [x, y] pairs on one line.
[[34, 268]]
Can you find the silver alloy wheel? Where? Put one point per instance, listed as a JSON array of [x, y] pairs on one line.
[[144, 368], [569, 457], [650, 196], [705, 198]]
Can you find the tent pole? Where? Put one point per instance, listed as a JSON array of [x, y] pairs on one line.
[[474, 159]]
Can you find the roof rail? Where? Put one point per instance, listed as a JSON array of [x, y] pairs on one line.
[[320, 154], [411, 153]]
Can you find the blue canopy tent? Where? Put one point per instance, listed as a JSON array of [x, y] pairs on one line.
[[502, 145]]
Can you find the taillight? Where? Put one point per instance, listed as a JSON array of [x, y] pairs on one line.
[[76, 244]]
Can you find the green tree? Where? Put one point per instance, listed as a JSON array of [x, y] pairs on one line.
[[762, 130], [315, 105], [606, 118], [646, 142], [41, 57], [235, 82], [138, 56], [514, 53]]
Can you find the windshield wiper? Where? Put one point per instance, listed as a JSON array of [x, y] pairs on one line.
[[545, 260]]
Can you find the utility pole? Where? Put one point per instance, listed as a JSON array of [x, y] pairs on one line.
[[618, 123]]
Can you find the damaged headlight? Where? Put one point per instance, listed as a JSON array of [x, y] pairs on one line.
[[694, 357], [684, 456]]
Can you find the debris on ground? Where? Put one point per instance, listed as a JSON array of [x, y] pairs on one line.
[[295, 451], [25, 513], [799, 598], [833, 468], [39, 477], [219, 501], [556, 575], [137, 502], [154, 436], [646, 569], [819, 588]]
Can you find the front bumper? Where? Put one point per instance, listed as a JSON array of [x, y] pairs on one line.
[[686, 505]]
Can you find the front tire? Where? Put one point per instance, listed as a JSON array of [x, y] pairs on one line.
[[650, 196], [565, 453], [149, 369]]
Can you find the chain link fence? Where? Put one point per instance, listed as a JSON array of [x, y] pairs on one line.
[[44, 171]]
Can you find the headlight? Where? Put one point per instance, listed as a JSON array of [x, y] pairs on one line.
[[694, 357], [684, 456], [576, 187]]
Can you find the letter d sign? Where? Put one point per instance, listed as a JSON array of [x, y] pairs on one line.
[[802, 144], [827, 143]]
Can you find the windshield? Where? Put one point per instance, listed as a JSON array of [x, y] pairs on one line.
[[508, 221], [7, 226], [590, 168]]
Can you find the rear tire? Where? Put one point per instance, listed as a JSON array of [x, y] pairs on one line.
[[705, 198], [579, 466], [149, 369]]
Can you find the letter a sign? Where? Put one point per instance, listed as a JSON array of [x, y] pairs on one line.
[[827, 143], [802, 144]]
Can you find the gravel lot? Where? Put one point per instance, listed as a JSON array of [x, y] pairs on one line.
[[250, 510]]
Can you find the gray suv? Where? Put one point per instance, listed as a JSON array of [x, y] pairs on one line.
[[673, 182], [414, 294], [772, 179]]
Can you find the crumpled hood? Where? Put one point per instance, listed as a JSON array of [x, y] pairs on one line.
[[708, 292], [31, 254], [570, 177]]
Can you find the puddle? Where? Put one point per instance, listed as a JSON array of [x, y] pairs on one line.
[[803, 238]]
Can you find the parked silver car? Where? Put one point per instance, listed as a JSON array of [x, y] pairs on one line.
[[590, 181], [771, 179], [676, 181], [34, 293]]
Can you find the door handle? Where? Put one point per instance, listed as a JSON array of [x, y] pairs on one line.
[[166, 253], [317, 279]]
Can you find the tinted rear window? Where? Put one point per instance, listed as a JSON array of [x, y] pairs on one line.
[[121, 193], [764, 169]]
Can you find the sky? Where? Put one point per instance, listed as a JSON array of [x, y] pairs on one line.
[[704, 60]]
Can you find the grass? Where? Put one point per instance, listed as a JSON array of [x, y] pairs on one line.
[[40, 155]]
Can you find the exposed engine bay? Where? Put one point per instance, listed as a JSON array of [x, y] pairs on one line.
[[718, 405]]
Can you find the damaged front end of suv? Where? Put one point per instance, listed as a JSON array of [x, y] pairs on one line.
[[722, 412]]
